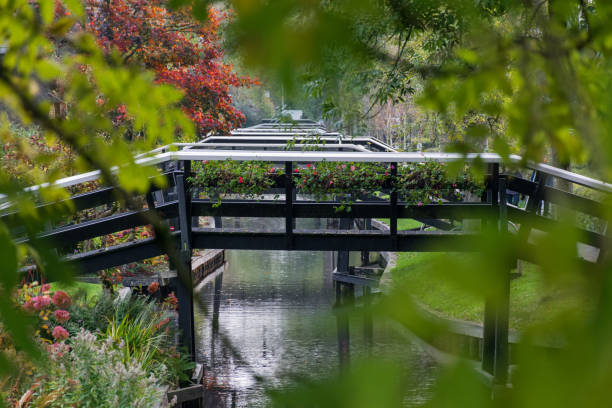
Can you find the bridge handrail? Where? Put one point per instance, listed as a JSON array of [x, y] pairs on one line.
[[287, 156]]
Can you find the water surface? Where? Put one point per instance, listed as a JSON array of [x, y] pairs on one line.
[[270, 314]]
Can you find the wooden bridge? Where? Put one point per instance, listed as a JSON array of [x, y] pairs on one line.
[[181, 209]]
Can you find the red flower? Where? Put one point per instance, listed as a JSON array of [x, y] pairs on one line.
[[152, 288], [59, 333], [171, 228], [61, 299], [297, 170], [240, 180], [308, 165], [62, 315], [162, 323]]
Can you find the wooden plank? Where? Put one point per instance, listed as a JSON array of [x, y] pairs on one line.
[[325, 240], [313, 209], [187, 394], [102, 196], [559, 197], [354, 279], [90, 229], [539, 222], [94, 261]]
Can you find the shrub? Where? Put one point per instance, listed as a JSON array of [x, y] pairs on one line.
[[93, 373]]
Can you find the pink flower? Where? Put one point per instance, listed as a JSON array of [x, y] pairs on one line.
[[40, 302], [420, 203], [240, 180], [59, 333], [344, 166], [331, 182], [61, 299], [45, 287], [352, 168], [61, 315]]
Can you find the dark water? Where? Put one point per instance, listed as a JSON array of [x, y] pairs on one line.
[[270, 315]]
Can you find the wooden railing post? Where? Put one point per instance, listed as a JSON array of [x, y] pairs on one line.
[[289, 204], [393, 204], [184, 282], [495, 359], [488, 346]]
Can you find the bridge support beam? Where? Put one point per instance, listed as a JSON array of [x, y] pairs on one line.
[[495, 358], [365, 254], [342, 263]]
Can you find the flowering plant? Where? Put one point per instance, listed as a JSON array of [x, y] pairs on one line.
[[416, 183], [424, 183], [327, 180], [48, 308], [248, 179]]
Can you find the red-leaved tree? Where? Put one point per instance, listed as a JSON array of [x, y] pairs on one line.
[[179, 49]]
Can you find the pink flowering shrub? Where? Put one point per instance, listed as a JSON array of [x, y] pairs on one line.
[[61, 315], [59, 333], [48, 308]]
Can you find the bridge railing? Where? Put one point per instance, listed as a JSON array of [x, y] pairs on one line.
[[177, 206]]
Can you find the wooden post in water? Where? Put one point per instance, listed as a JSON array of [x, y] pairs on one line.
[[342, 323]]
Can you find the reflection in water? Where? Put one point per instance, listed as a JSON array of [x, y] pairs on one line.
[[271, 315]]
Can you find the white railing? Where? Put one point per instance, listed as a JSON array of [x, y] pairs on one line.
[[161, 155]]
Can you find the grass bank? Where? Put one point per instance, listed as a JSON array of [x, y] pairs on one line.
[[89, 290], [532, 300]]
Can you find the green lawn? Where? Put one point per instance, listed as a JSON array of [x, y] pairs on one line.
[[90, 290], [442, 292], [403, 223]]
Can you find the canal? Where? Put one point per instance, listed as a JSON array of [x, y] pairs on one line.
[[270, 315]]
